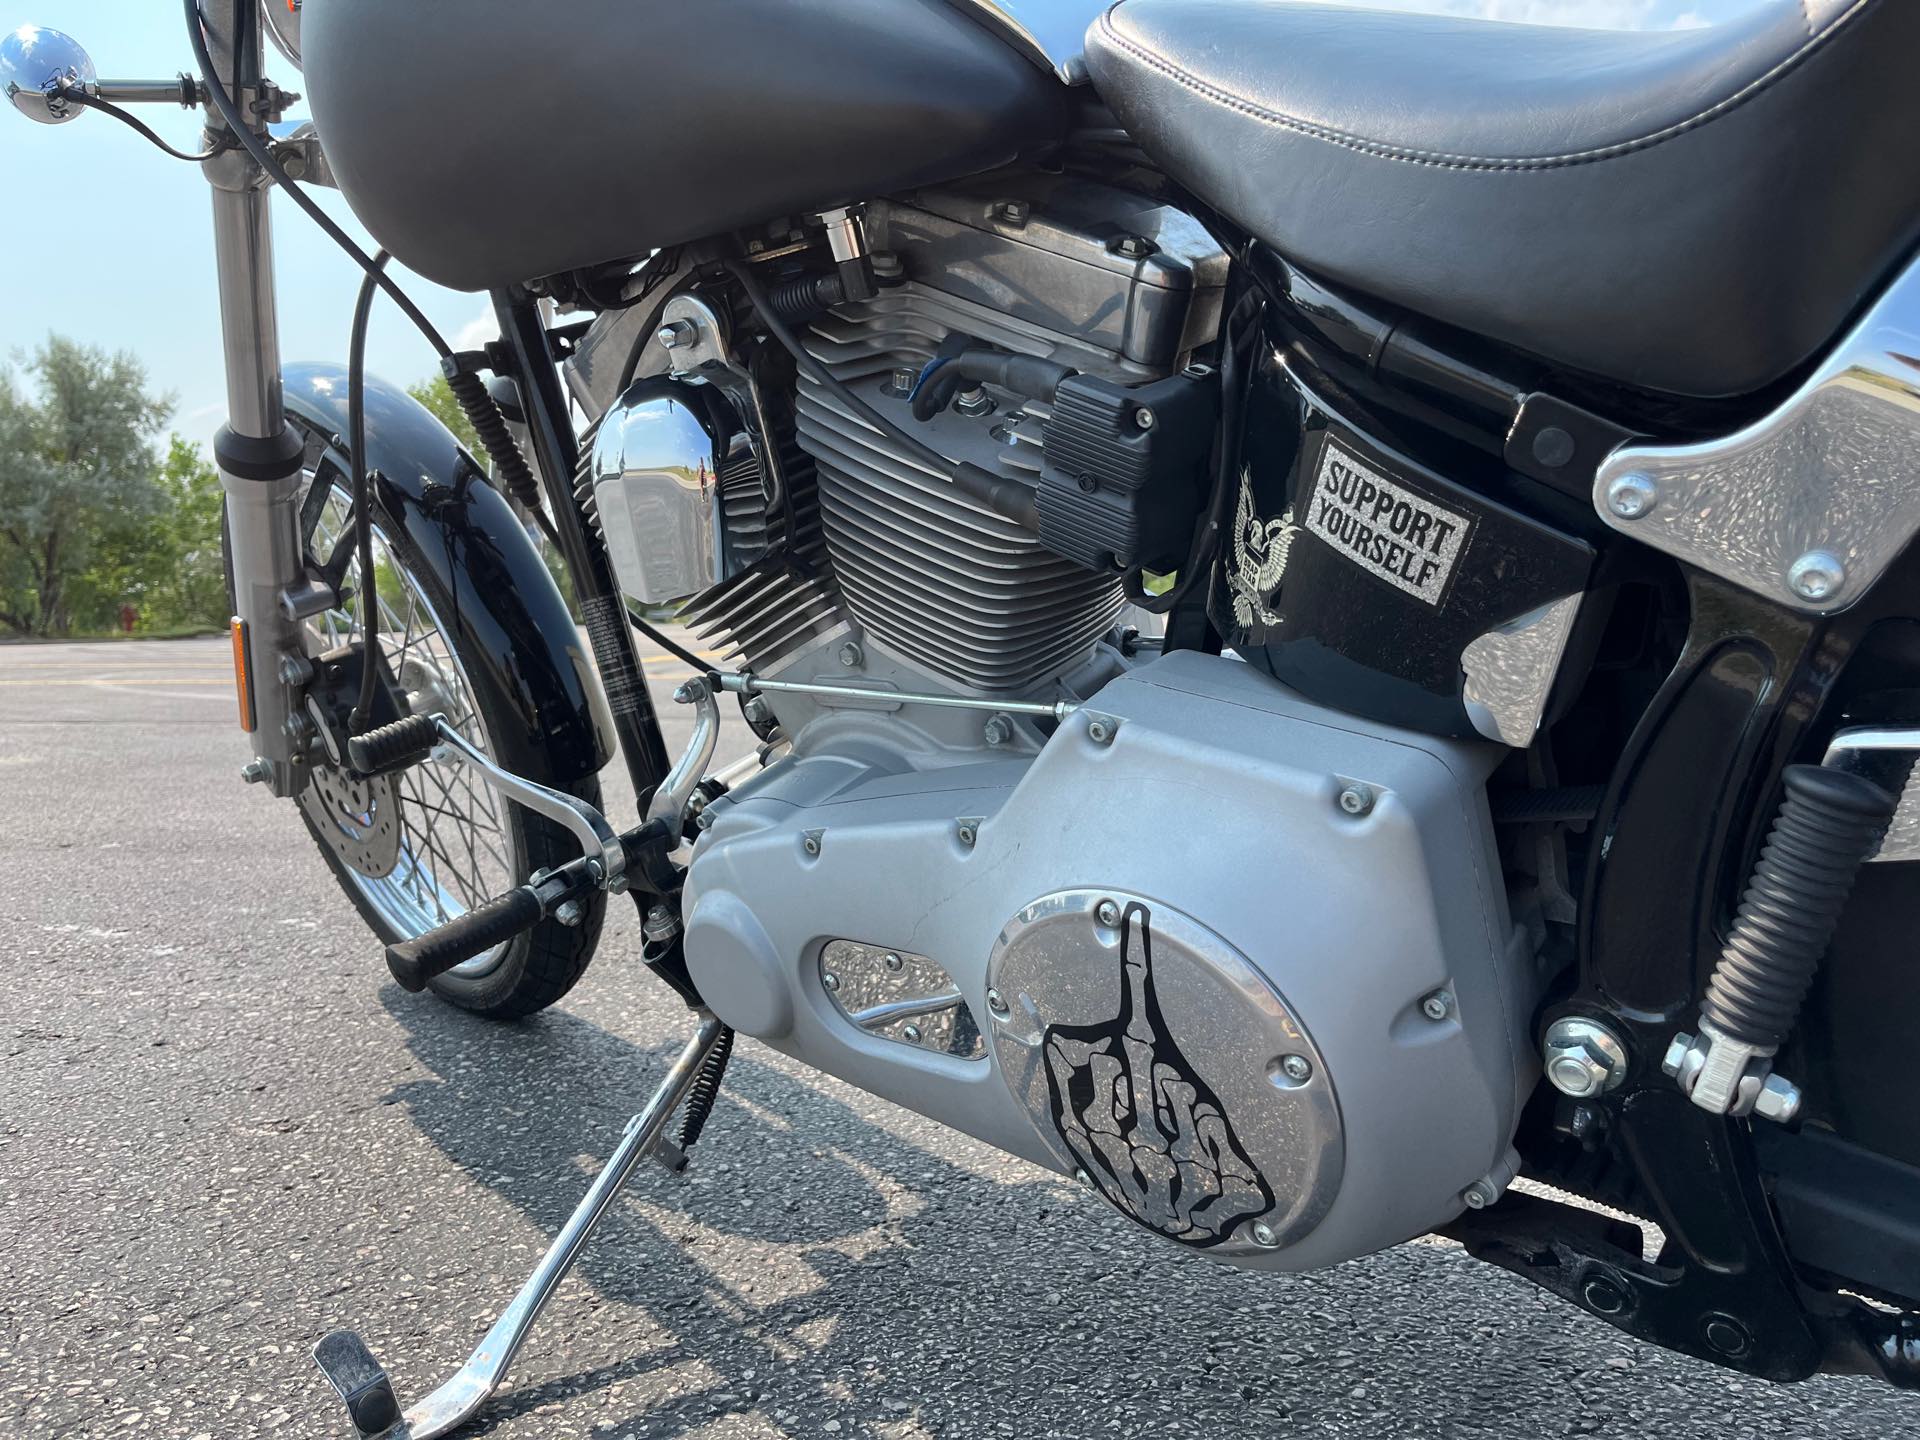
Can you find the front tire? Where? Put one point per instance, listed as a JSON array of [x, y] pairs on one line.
[[458, 844]]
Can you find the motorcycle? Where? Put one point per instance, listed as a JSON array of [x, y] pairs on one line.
[[1500, 824]]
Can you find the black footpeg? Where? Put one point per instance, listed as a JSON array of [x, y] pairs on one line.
[[393, 747], [414, 962], [343, 1357]]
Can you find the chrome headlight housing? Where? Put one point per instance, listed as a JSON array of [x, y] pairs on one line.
[[283, 24]]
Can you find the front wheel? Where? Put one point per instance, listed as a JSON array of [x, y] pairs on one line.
[[417, 848]]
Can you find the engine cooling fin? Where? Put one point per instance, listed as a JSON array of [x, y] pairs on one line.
[[927, 572]]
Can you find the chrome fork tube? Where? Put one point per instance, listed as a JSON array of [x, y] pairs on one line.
[[258, 454]]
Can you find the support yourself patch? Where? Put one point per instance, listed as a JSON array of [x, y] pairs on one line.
[[1384, 528]]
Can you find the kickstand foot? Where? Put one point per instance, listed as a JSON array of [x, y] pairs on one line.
[[349, 1365]]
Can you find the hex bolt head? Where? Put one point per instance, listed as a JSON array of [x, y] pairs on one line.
[[1264, 1235], [903, 380], [974, 401], [893, 962], [1676, 1055], [1479, 1195], [1437, 1006], [851, 655], [1107, 913], [1356, 800], [569, 913], [675, 333], [999, 731], [1779, 1100], [257, 772], [1632, 497], [1582, 1057], [1817, 575], [1013, 212], [910, 1034], [1297, 1068], [996, 1003]]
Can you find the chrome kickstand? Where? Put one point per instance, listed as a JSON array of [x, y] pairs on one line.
[[349, 1365]]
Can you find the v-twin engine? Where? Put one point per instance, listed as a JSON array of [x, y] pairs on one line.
[[1241, 964]]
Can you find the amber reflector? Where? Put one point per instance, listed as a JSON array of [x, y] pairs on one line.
[[242, 680]]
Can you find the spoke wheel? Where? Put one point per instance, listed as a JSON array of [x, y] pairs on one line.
[[415, 849]]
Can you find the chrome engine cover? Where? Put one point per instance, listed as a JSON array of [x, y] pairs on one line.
[[1199, 977]]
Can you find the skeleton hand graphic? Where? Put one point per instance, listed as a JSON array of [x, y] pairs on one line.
[[1147, 1129]]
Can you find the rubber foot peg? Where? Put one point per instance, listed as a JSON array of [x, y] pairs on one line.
[[363, 1387], [393, 747], [414, 962]]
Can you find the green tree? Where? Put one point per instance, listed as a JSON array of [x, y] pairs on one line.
[[169, 566], [77, 463]]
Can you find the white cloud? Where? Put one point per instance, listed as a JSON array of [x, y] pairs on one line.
[[478, 331]]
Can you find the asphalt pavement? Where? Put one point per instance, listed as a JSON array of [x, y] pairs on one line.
[[224, 1131]]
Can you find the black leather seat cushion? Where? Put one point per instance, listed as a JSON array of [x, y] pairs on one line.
[[1693, 211]]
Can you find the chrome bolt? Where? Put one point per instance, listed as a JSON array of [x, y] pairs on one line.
[[569, 913], [1779, 1100], [295, 669], [1356, 800], [1632, 496], [830, 980], [1107, 914], [1479, 1195], [903, 381], [851, 656], [1437, 1006], [660, 926], [999, 731], [974, 401], [1296, 1068], [1676, 1057], [1264, 1236], [1099, 732], [811, 844], [1013, 212], [676, 333], [966, 833], [704, 820], [756, 710], [994, 1003], [1143, 417], [1817, 575], [257, 772], [1583, 1058], [911, 1034], [690, 691], [893, 962], [1132, 247]]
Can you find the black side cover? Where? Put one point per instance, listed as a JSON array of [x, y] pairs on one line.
[[491, 141]]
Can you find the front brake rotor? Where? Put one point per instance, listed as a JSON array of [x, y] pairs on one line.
[[358, 818]]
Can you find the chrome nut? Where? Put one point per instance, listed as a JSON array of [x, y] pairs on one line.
[[1583, 1058]]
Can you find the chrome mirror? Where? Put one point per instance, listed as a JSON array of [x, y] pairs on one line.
[[38, 66]]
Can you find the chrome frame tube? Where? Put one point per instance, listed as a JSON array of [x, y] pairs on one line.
[[270, 590]]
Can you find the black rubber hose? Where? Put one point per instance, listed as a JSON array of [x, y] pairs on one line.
[[1828, 825], [510, 468], [706, 1089], [1005, 497], [363, 498]]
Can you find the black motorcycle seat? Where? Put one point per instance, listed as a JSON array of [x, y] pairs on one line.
[[1691, 211]]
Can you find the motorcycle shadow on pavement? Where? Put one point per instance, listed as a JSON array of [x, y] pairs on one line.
[[815, 1273]]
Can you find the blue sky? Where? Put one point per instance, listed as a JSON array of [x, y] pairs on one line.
[[108, 240]]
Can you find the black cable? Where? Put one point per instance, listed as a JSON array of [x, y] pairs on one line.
[[139, 126], [679, 652], [230, 112], [1007, 498], [363, 498]]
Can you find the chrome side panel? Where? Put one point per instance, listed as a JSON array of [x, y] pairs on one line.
[[1809, 505]]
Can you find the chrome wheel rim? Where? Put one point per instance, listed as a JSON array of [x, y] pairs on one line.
[[456, 849]]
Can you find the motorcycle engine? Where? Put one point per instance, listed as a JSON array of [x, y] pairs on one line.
[[1241, 964]]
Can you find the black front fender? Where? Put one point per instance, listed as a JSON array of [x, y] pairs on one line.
[[513, 632]]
